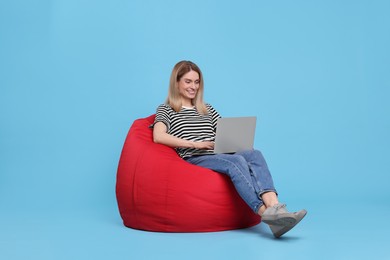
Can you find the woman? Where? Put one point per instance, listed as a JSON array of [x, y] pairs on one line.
[[187, 124]]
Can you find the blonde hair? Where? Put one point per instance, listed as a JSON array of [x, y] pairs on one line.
[[174, 99]]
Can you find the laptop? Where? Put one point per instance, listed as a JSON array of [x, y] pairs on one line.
[[234, 134]]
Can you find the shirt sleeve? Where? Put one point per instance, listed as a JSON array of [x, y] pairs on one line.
[[214, 116], [163, 115]]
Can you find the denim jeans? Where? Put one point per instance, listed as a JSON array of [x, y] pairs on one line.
[[247, 170]]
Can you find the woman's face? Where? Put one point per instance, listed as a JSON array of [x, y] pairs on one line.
[[188, 86]]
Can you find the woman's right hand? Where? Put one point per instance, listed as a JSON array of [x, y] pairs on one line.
[[204, 145]]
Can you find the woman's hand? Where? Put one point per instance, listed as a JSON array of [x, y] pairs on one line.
[[204, 145]]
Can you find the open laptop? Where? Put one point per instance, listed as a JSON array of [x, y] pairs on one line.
[[235, 134]]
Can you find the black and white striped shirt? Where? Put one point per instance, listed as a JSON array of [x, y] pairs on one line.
[[188, 124]]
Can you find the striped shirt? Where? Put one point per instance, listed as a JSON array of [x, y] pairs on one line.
[[188, 124]]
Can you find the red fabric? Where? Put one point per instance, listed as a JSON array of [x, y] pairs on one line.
[[158, 191]]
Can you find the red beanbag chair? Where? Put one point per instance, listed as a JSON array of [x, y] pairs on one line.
[[158, 191]]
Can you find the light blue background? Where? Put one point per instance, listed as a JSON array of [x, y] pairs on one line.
[[74, 75]]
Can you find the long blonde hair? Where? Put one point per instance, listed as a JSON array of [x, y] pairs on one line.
[[174, 99]]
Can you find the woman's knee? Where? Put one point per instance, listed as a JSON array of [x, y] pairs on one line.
[[252, 155], [257, 153], [236, 161]]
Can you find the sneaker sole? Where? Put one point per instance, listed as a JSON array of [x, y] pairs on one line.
[[278, 231], [280, 219]]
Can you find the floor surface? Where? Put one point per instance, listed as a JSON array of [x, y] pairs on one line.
[[327, 232]]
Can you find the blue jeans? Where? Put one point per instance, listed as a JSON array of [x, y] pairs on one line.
[[247, 170]]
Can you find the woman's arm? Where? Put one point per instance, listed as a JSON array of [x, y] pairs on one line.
[[161, 136]]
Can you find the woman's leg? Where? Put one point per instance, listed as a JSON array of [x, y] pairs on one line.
[[262, 176], [236, 167], [253, 181]]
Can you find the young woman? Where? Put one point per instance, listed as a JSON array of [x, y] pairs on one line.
[[187, 124]]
